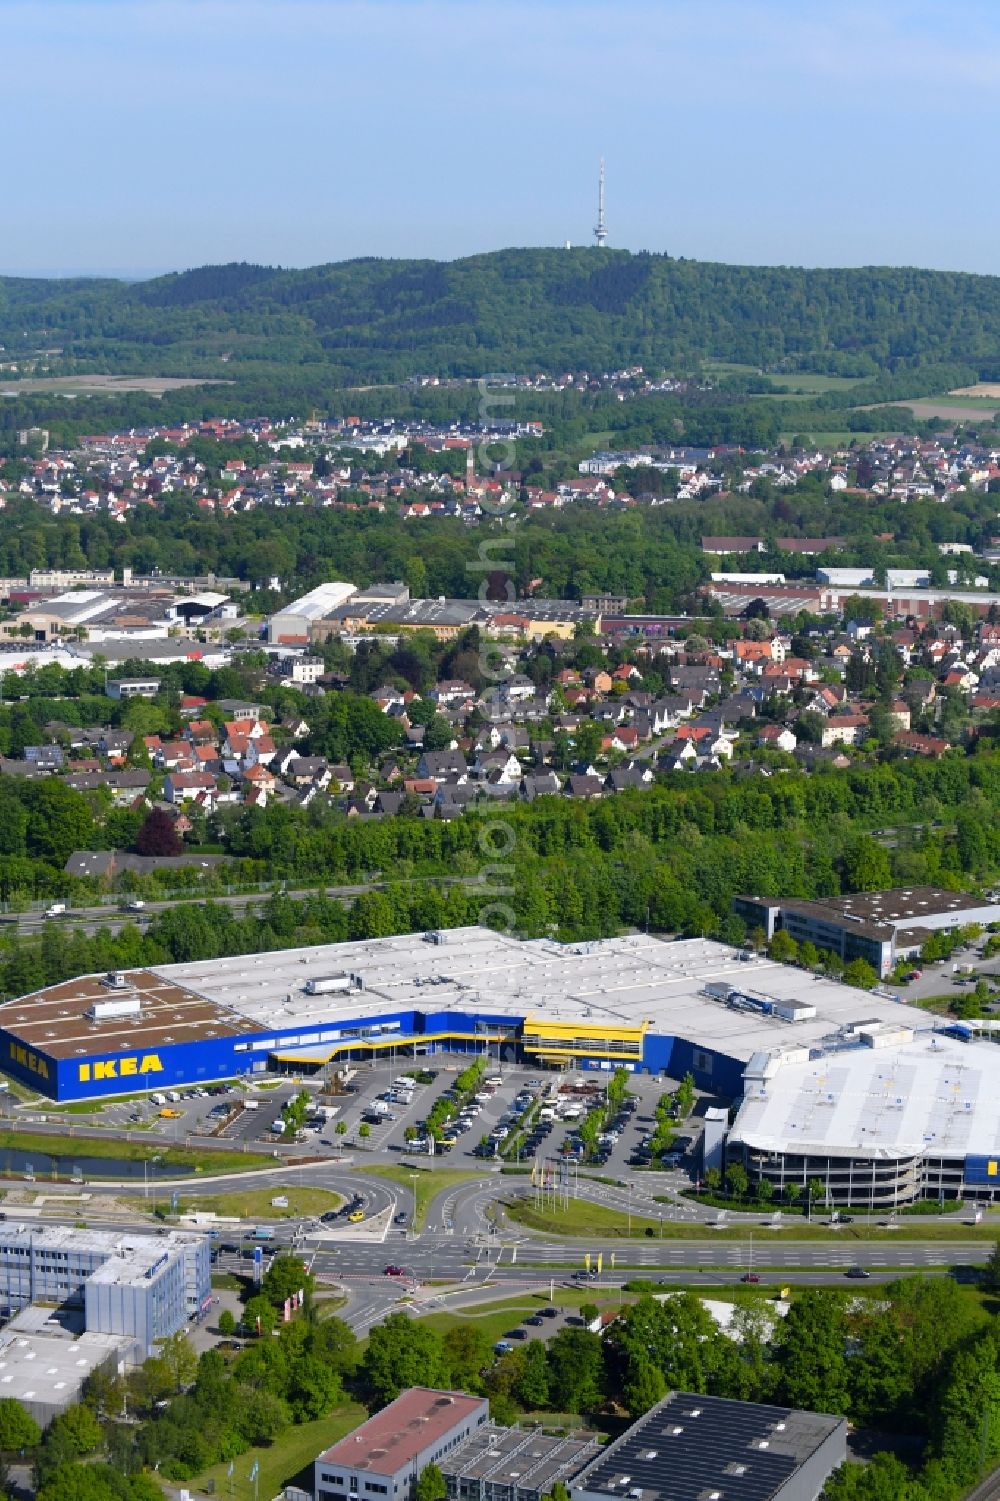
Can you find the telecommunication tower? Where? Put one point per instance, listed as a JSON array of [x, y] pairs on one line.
[[600, 229]]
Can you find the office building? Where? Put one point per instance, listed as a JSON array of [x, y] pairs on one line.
[[880, 927], [140, 1287], [381, 1460]]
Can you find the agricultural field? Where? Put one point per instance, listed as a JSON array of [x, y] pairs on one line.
[[103, 385]]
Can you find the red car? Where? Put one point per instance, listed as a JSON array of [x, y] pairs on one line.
[[394, 1271], [750, 1277]]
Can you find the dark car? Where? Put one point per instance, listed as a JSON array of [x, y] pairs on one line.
[[533, 1318], [517, 1334], [859, 1272], [549, 1313], [401, 1218], [750, 1277]]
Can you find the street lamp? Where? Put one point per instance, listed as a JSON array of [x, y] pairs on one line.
[[145, 1173]]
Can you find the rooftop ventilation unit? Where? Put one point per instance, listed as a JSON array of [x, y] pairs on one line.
[[115, 980], [103, 1011]]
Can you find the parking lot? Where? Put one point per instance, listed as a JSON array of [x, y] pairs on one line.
[[521, 1113], [509, 1095]]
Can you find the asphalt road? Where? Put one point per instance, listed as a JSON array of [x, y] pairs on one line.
[[466, 1252]]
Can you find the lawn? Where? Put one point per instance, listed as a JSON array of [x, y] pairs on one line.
[[425, 1182], [255, 1203], [281, 1464], [582, 1218], [180, 1160]]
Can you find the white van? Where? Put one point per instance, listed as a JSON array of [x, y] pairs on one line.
[[158, 1099], [173, 1096]]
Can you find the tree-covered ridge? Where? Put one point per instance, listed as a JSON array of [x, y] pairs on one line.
[[518, 309]]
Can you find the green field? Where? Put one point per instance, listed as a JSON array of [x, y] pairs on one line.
[[801, 384], [424, 1182], [280, 1464], [582, 1218], [255, 1203]]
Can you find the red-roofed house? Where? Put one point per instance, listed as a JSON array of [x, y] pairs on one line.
[[384, 1457], [777, 737], [921, 745]]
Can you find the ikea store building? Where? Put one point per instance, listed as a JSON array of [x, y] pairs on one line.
[[810, 1063]]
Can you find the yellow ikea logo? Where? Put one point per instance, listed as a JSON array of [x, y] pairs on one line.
[[991, 1168], [119, 1068], [29, 1060]]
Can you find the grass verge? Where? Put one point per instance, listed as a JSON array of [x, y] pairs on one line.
[[177, 1160], [425, 1183], [284, 1460], [582, 1218], [255, 1203]]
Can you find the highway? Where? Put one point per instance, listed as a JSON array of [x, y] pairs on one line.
[[110, 917]]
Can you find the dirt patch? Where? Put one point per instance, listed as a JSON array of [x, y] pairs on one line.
[[988, 388]]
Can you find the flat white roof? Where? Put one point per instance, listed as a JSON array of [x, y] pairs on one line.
[[627, 981], [932, 1096], [319, 601]]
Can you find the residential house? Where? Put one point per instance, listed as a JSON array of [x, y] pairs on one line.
[[587, 786], [844, 729], [189, 786], [922, 745], [777, 737]]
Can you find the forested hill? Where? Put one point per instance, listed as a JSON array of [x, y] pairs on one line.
[[519, 310]]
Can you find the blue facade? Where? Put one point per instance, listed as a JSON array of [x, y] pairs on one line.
[[982, 1171], [180, 1065]]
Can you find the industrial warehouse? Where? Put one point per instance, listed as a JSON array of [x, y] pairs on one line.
[[880, 1101]]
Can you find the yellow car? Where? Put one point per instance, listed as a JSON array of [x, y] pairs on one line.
[[356, 1216], [171, 1115]]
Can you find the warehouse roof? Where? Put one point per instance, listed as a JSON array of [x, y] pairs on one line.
[[929, 1095], [619, 981], [46, 1355], [522, 1458], [54, 1021], [690, 1447], [636, 981]]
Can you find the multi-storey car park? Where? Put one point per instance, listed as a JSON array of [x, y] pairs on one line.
[[883, 1103]]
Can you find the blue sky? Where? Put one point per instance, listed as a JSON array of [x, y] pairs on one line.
[[154, 134]]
